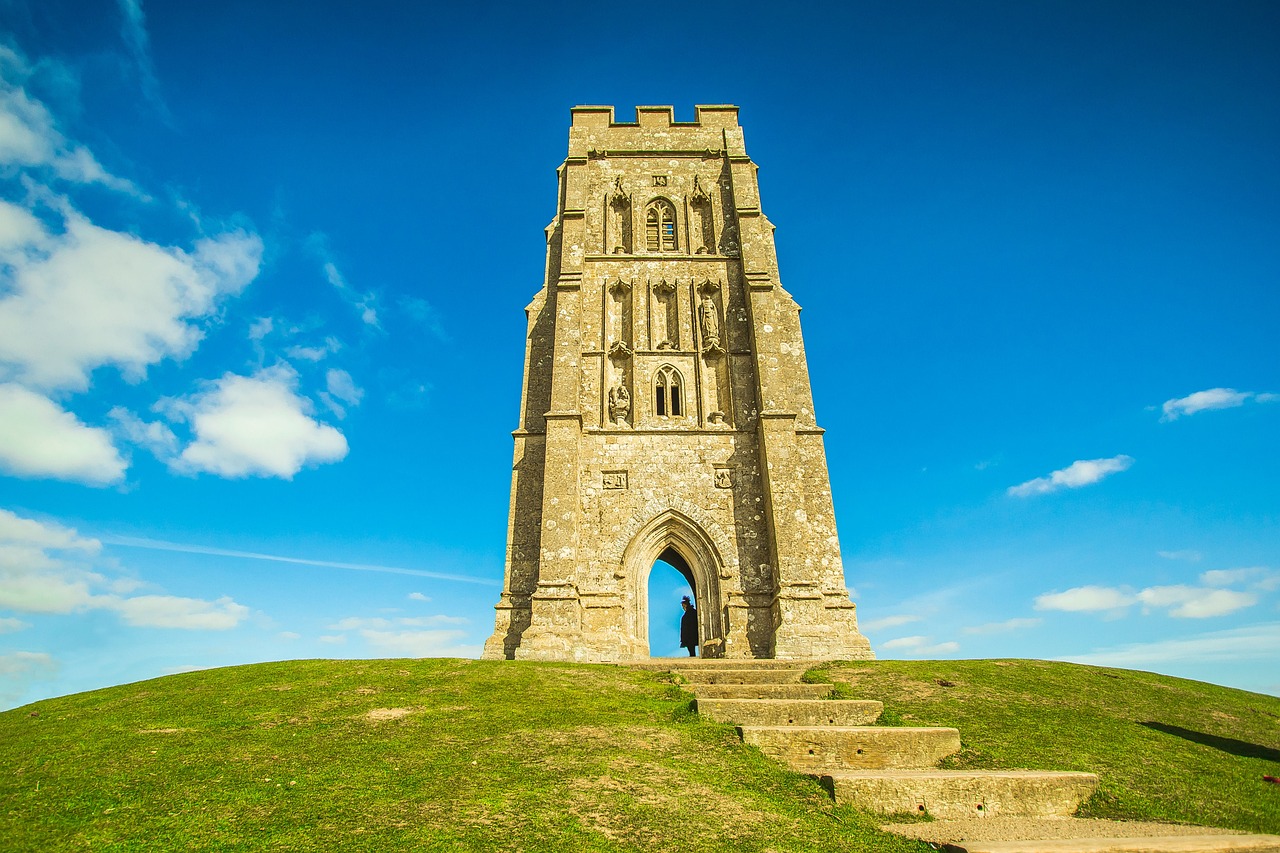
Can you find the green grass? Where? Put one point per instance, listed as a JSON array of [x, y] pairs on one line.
[[1165, 748], [314, 755], [478, 755]]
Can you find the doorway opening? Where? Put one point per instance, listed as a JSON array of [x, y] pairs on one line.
[[670, 580]]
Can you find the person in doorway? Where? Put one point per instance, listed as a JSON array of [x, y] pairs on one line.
[[689, 627]]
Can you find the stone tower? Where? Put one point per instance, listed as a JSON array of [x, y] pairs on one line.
[[666, 412]]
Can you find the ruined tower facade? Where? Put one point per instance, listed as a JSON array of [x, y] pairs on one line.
[[666, 412]]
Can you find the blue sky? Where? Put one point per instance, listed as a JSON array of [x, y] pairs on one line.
[[263, 269]]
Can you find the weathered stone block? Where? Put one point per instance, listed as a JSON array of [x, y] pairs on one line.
[[952, 794], [791, 712], [824, 750]]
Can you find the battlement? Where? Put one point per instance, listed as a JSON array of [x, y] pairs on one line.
[[595, 131], [722, 116]]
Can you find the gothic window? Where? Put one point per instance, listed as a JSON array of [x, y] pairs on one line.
[[667, 399], [660, 225]]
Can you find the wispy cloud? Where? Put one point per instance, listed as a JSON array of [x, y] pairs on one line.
[[1081, 473], [365, 303], [50, 569], [1212, 398], [920, 646], [1254, 642], [159, 545], [1085, 599], [1189, 556], [1181, 601], [133, 29], [1004, 627], [1257, 577], [888, 622]]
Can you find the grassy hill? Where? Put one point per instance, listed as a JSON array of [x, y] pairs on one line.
[[468, 755]]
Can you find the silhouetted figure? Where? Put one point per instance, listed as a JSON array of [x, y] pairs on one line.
[[689, 627]]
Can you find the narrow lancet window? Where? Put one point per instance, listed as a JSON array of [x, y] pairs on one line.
[[660, 225], [667, 399]]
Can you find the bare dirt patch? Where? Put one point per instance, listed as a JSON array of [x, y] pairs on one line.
[[379, 715]]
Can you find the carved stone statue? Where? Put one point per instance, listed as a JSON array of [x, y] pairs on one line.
[[619, 404], [710, 321]]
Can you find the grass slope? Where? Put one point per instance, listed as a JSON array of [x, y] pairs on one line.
[[474, 755], [1165, 748], [402, 755]]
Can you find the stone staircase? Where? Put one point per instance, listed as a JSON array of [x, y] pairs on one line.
[[893, 769]]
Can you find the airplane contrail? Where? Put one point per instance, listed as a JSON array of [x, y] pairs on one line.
[[160, 545]]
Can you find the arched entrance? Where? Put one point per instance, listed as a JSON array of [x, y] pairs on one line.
[[678, 541], [670, 580]]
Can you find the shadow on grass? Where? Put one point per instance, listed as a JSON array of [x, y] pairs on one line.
[[1244, 749]]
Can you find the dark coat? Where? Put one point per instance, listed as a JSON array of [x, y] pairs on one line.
[[689, 629]]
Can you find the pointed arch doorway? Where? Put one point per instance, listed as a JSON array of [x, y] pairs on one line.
[[676, 540], [670, 580]]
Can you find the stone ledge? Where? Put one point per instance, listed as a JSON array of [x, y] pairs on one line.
[[823, 750], [791, 712], [949, 794]]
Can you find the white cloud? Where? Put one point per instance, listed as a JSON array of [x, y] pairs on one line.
[[1255, 642], [254, 426], [18, 669], [333, 639], [89, 296], [39, 439], [378, 623], [153, 435], [12, 626], [289, 635], [48, 568], [888, 622], [1085, 599], [30, 139], [1181, 601], [920, 646], [1003, 627], [1261, 577], [421, 644], [1189, 602], [1083, 472], [168, 611], [341, 389], [1213, 398], [417, 596], [1188, 555], [315, 353], [260, 328]]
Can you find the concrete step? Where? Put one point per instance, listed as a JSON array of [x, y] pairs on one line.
[[760, 691], [791, 712], [665, 664], [823, 750], [951, 794], [1078, 835], [740, 676], [1150, 844]]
